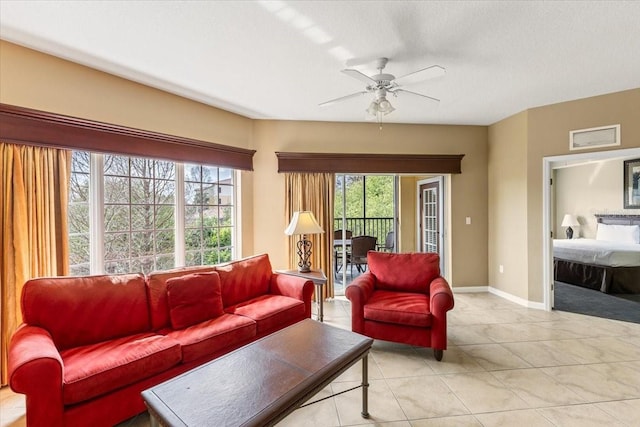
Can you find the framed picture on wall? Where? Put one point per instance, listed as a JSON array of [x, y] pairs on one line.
[[632, 184]]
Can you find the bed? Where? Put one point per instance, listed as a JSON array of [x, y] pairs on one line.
[[610, 263]]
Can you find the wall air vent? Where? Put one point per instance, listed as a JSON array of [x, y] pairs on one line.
[[604, 136]]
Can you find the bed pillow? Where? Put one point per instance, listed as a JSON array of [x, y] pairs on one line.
[[194, 298], [618, 233]]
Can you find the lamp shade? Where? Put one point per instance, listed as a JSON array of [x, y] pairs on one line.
[[373, 108], [384, 106], [303, 222], [570, 221]]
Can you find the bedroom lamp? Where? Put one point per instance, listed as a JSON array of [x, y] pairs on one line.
[[570, 221], [303, 223]]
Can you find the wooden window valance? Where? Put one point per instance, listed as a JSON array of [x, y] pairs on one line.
[[369, 163], [32, 127]]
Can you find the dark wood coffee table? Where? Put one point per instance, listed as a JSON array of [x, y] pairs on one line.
[[262, 382]]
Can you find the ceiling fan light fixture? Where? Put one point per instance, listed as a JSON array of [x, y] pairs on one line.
[[373, 108], [384, 106], [380, 106], [382, 84]]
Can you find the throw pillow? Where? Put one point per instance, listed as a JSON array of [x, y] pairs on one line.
[[194, 298]]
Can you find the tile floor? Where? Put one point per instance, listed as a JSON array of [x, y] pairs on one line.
[[506, 366]]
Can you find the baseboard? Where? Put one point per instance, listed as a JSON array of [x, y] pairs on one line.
[[470, 289], [520, 301], [499, 293]]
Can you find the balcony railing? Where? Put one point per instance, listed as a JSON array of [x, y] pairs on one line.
[[376, 227]]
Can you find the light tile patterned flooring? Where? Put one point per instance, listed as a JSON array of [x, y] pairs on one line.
[[505, 366]]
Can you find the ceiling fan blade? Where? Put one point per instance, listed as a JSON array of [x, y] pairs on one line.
[[408, 92], [420, 75], [358, 75], [343, 98]]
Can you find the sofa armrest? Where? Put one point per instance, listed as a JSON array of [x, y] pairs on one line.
[[294, 287], [441, 296], [440, 301], [359, 292], [36, 370]]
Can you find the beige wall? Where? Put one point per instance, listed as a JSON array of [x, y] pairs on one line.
[[547, 134], [468, 192], [43, 82], [407, 214], [585, 190], [508, 205]]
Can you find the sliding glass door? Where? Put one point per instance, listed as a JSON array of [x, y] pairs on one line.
[[365, 205]]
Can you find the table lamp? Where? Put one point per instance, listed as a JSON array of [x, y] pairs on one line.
[[570, 221], [303, 223]]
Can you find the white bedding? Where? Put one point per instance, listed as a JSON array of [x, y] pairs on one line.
[[600, 252]]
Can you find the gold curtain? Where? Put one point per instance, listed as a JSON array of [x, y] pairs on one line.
[[33, 237], [313, 192]]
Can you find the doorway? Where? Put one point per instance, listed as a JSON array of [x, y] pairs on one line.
[[548, 220], [364, 205]]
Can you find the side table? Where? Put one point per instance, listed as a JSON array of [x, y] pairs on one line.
[[318, 278]]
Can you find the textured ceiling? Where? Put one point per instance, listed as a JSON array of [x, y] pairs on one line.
[[280, 59]]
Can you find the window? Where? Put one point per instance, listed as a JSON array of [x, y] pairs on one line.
[[132, 214], [208, 214], [139, 208], [78, 215]]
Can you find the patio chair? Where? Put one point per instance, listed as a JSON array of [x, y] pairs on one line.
[[337, 249], [360, 246], [389, 243]]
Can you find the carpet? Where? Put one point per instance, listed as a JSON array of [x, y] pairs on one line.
[[576, 299], [630, 297]]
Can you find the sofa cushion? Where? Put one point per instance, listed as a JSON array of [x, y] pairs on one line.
[[157, 289], [244, 279], [410, 272], [194, 298], [212, 336], [96, 369], [270, 312], [403, 308], [78, 311]]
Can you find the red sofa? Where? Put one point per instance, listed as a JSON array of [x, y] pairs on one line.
[[89, 345], [402, 298]]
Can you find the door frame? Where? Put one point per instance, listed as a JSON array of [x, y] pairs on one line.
[[548, 164], [442, 211]]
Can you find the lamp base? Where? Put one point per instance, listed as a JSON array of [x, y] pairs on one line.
[[569, 233], [304, 269], [304, 253]]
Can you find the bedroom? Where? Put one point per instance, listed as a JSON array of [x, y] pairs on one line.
[[589, 190]]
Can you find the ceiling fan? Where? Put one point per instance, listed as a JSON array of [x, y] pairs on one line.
[[382, 84]]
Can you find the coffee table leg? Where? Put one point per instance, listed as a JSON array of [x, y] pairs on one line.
[[365, 386]]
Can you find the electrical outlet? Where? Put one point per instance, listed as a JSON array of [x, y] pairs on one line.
[[501, 268], [468, 220]]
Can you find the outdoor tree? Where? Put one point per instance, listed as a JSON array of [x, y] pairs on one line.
[[370, 197], [138, 214], [78, 214]]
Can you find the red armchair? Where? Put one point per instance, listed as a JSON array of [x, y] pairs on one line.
[[402, 298]]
